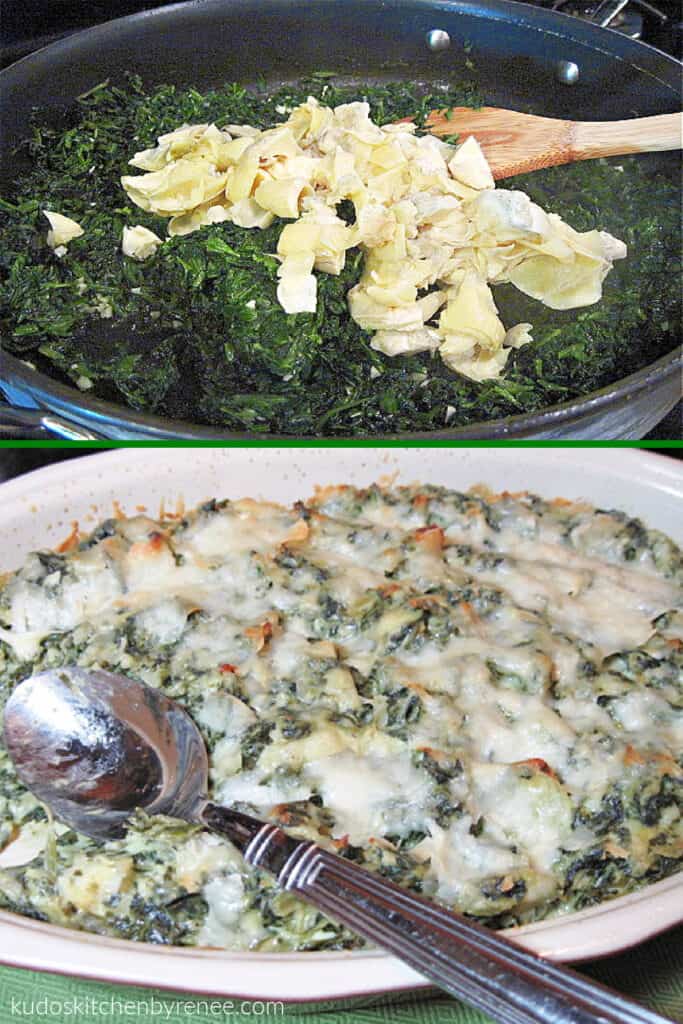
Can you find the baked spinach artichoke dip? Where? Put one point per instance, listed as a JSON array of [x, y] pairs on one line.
[[476, 695], [311, 260]]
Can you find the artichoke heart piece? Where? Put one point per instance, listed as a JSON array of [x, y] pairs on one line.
[[233, 150], [399, 343], [472, 310], [309, 120], [559, 284], [372, 315], [327, 240], [204, 141], [275, 144], [245, 178], [139, 242], [469, 166], [541, 255], [302, 166], [282, 197], [336, 172], [177, 188], [62, 229], [375, 225], [430, 304], [473, 333], [387, 155], [459, 352], [168, 147], [393, 293], [330, 253], [505, 215], [575, 277], [389, 186], [186, 223], [516, 803], [297, 289], [518, 335], [246, 213]]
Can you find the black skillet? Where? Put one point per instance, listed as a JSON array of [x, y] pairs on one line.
[[525, 57]]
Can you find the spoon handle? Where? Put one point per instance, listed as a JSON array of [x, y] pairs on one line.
[[471, 962]]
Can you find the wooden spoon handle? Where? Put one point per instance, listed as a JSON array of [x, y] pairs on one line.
[[516, 143], [637, 135]]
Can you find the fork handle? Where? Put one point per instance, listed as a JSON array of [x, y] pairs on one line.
[[469, 961]]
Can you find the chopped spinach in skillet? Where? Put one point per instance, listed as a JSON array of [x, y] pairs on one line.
[[196, 331]]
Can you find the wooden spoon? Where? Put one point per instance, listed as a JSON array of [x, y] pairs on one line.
[[515, 143]]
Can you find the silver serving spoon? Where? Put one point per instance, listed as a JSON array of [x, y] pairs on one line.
[[94, 746]]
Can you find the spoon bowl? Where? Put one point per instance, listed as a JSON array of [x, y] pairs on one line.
[[95, 746]]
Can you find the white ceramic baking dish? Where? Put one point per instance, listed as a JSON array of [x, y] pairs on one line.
[[38, 510]]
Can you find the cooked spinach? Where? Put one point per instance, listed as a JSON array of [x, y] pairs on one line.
[[196, 331]]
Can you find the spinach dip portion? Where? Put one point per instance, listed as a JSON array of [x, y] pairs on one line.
[[195, 332], [476, 695]]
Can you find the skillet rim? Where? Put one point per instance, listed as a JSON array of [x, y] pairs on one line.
[[98, 413]]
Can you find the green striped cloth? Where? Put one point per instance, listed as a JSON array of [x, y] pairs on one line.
[[651, 974]]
